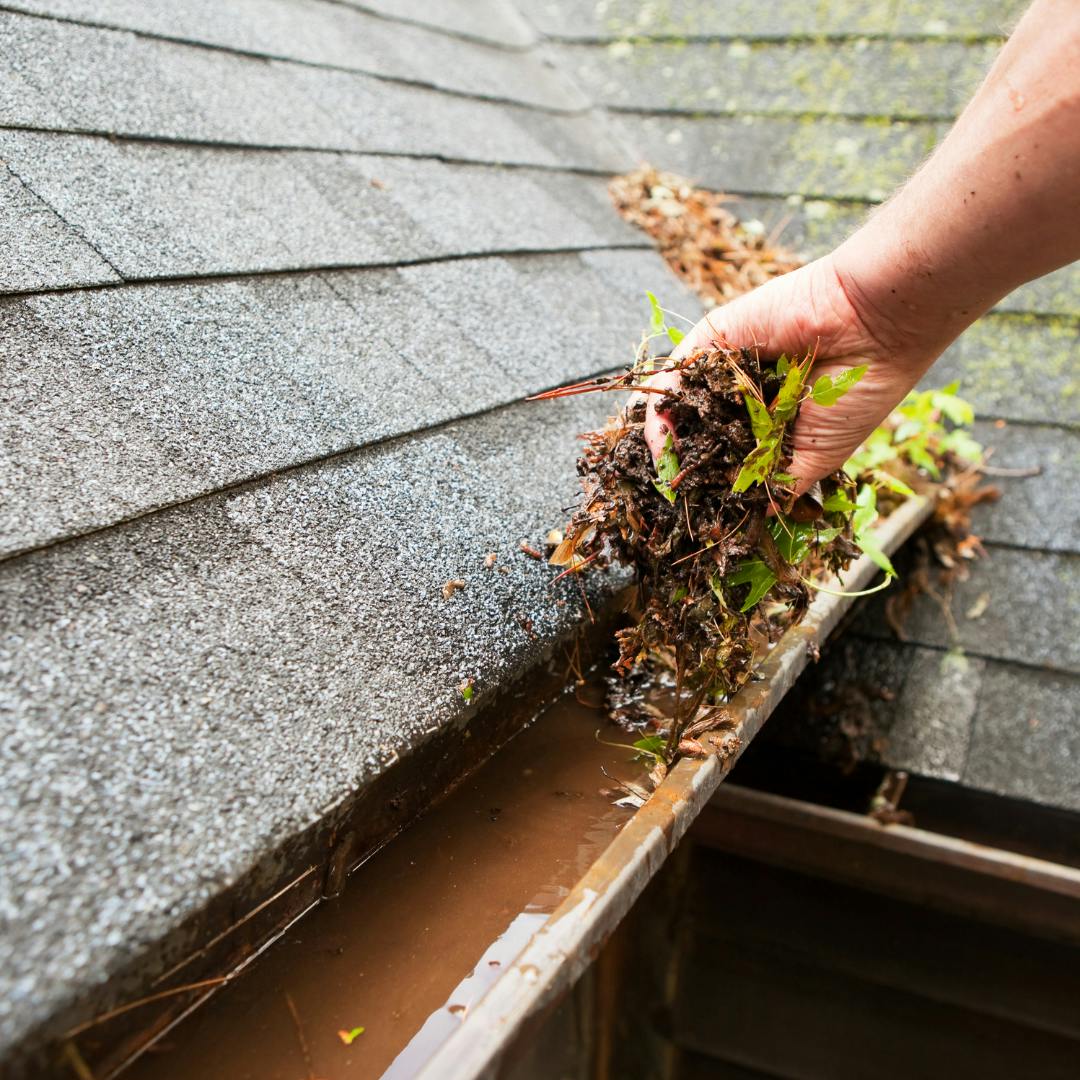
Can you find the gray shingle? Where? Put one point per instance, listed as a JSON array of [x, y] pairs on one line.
[[113, 81], [934, 713], [158, 210], [1029, 601], [900, 79], [122, 400], [59, 75], [328, 33], [837, 158], [578, 19], [39, 249], [400, 119], [1038, 511], [268, 641], [1019, 367], [1026, 738], [496, 21]]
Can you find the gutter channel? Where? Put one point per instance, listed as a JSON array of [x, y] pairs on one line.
[[560, 951]]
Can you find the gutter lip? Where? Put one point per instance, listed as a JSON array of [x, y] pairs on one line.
[[560, 950]]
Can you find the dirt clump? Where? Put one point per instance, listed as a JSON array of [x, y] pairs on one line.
[[723, 553]]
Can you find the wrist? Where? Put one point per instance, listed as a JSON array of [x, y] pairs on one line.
[[902, 289]]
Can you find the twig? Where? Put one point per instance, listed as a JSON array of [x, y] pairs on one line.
[[112, 1013], [300, 1036], [1019, 474], [77, 1061]]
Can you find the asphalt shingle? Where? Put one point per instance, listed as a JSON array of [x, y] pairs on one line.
[[121, 400], [898, 79], [64, 76], [1020, 367], [496, 21], [933, 714], [114, 81], [161, 211], [317, 32], [40, 250], [1034, 511], [613, 19], [819, 158], [182, 696], [1016, 605], [1026, 738]]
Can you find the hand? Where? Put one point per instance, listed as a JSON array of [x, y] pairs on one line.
[[997, 204], [812, 308]]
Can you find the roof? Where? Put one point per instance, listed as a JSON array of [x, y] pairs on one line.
[[278, 276]]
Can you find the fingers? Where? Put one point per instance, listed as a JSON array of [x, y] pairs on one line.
[[658, 423], [730, 325]]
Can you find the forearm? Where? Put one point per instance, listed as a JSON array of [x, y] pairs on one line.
[[996, 205]]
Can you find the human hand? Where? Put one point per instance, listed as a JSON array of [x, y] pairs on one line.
[[815, 308]]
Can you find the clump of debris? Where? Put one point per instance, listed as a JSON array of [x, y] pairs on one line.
[[705, 244], [725, 556]]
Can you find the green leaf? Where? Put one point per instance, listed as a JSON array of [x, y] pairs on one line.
[[893, 483], [792, 539], [667, 468], [782, 366], [716, 583], [787, 398], [908, 430], [680, 593], [675, 335], [963, 445], [656, 318], [667, 464], [838, 503], [828, 390], [651, 746], [783, 478], [756, 574], [759, 463], [865, 509], [761, 421], [466, 692], [919, 456], [349, 1037], [877, 449], [956, 409], [872, 549]]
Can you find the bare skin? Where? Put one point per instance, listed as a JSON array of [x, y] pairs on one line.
[[997, 204]]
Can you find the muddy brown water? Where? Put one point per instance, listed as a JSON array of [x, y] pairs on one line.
[[422, 928]]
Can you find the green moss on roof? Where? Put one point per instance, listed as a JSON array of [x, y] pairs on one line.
[[884, 78]]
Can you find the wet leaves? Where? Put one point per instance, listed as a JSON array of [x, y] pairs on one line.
[[702, 241]]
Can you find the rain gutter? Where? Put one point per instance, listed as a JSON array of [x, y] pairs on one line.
[[565, 945]]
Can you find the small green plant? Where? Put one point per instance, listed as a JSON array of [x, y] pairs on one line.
[[658, 325], [917, 434], [769, 422]]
